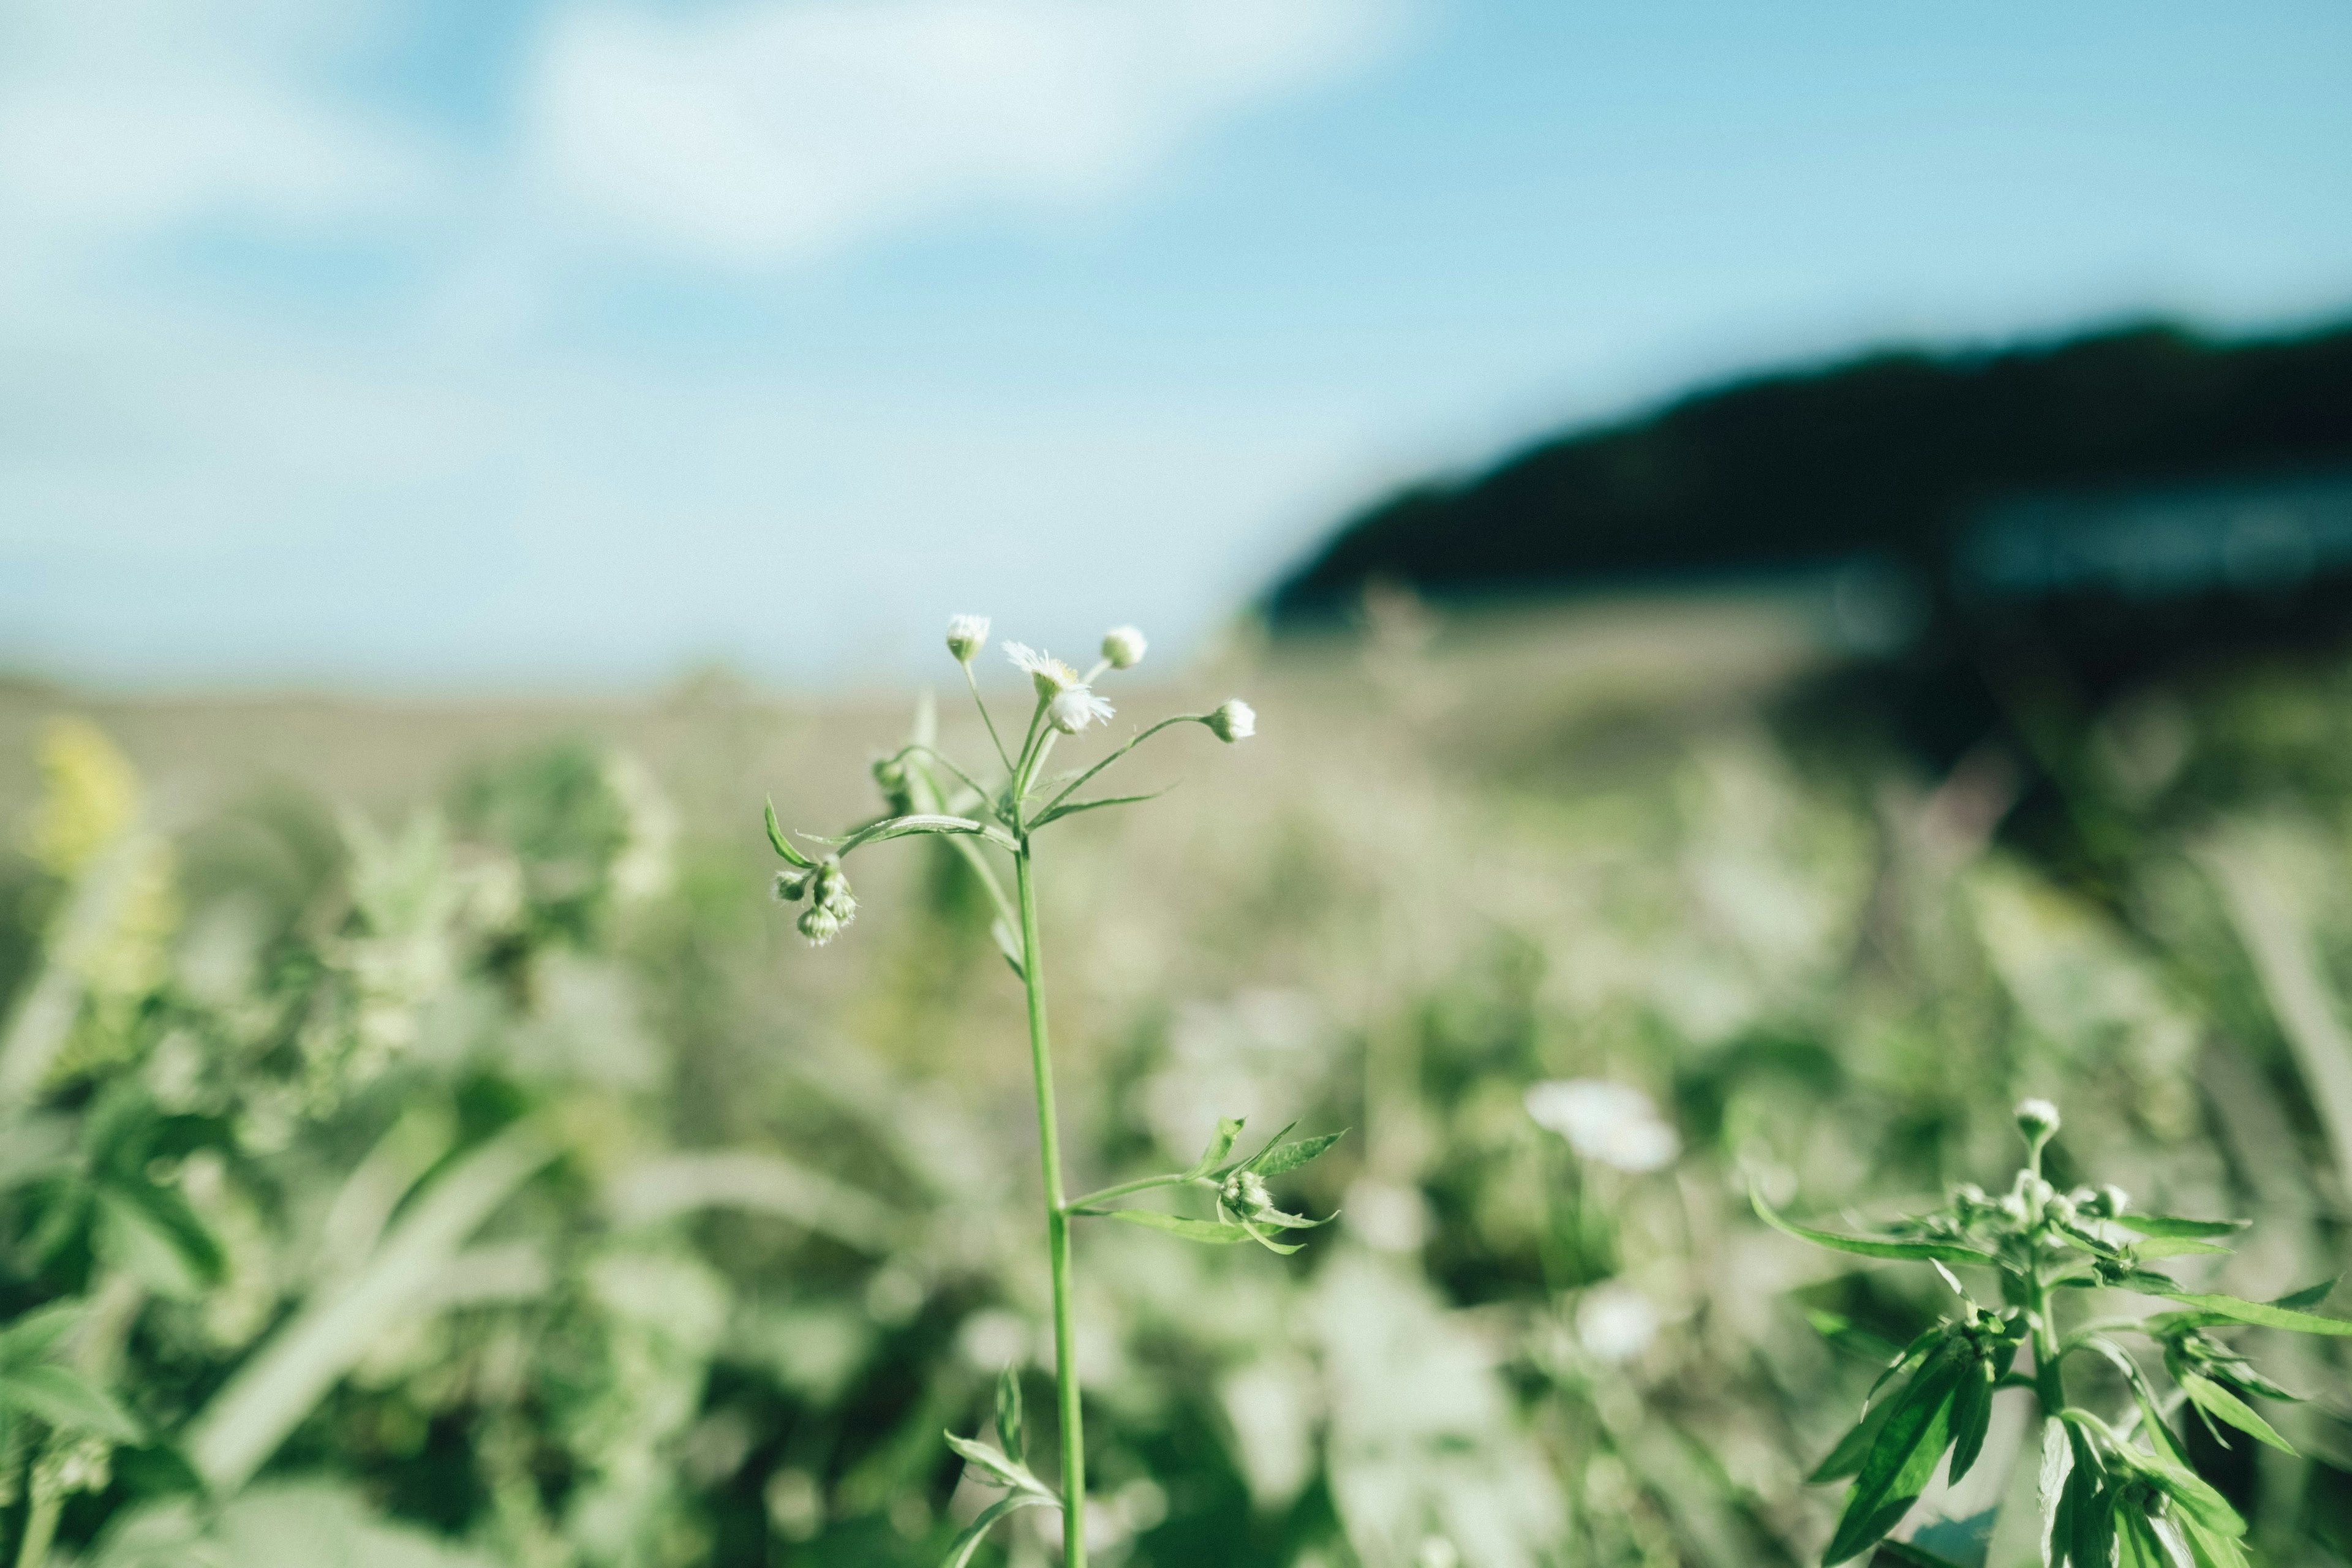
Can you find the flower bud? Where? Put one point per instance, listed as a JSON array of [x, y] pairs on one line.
[[1122, 647], [1234, 719], [832, 906], [967, 634], [2037, 1119], [1244, 1192], [2110, 1202], [791, 883]]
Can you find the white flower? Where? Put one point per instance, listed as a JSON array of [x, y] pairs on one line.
[[1615, 1321], [1234, 719], [1122, 647], [967, 634], [1073, 708], [2037, 1119], [1048, 674], [1614, 1124]]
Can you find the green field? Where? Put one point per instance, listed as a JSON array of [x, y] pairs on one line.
[[461, 1161]]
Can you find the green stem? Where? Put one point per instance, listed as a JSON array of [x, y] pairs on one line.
[[971, 684], [2049, 1374], [1057, 1231], [41, 1527]]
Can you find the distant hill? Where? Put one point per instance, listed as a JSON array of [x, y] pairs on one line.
[[1886, 455]]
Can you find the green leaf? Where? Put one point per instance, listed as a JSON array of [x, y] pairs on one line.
[[1281, 1221], [30, 1337], [2309, 1296], [1206, 1230], [2170, 1225], [1902, 1458], [1845, 1459], [1286, 1248], [1002, 1471], [1073, 807], [1918, 1556], [1921, 1343], [1971, 1414], [783, 845], [925, 822], [2229, 1308], [1221, 1145], [1009, 1433], [1848, 1335], [1275, 1161], [1009, 945], [2176, 1247], [155, 1235], [1251, 1163], [2221, 1405], [969, 1542], [1871, 1247], [2093, 1542], [67, 1400]]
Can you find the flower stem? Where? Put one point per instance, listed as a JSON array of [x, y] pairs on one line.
[[41, 1527], [1057, 1230]]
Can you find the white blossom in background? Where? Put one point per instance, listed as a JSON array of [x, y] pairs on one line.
[[1074, 708], [1615, 1322], [1614, 1124], [1387, 1218]]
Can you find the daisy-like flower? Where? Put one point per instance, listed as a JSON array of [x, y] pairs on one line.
[[1049, 675], [1075, 707], [1234, 719], [1122, 647], [1614, 1124], [967, 634]]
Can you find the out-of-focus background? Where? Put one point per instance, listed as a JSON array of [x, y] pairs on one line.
[[1795, 565]]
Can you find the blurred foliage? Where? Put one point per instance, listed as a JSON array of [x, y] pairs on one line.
[[496, 1182]]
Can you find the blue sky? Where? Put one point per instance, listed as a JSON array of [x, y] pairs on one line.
[[451, 344]]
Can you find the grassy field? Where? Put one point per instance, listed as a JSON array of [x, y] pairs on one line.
[[461, 1159]]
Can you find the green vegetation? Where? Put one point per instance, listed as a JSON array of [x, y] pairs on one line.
[[487, 1172]]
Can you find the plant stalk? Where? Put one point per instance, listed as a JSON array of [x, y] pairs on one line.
[[40, 1525], [1057, 1228]]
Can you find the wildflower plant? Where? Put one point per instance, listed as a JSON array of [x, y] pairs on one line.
[[2117, 1491], [925, 793]]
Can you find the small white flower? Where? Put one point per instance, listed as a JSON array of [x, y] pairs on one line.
[[1073, 708], [1048, 674], [2037, 1119], [1234, 719], [1616, 1322], [967, 634], [1122, 647], [1614, 1124]]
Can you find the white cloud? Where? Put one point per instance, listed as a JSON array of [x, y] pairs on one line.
[[772, 131]]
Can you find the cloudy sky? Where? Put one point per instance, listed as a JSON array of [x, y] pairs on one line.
[[437, 345]]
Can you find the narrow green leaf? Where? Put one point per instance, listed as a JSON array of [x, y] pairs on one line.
[[1002, 1470], [1073, 807], [1871, 1247], [925, 822], [1845, 1459], [2093, 1544], [1971, 1414], [152, 1232], [1921, 1343], [1290, 1156], [1900, 1462], [2174, 1225], [1009, 945], [2223, 1406], [1917, 1555], [67, 1400], [1284, 1247], [2230, 1309], [2209, 1547], [1848, 1335], [969, 1542], [2176, 1247], [30, 1337], [1251, 1163], [1009, 1433], [1281, 1221], [1221, 1146], [1207, 1230], [2309, 1296], [783, 845]]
